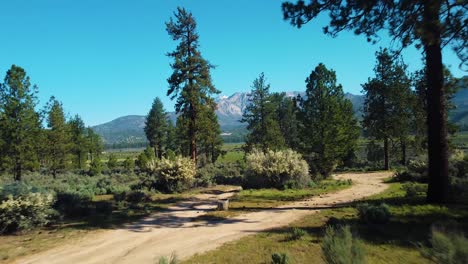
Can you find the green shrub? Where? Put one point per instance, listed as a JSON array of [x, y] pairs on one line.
[[137, 197], [25, 211], [277, 169], [295, 234], [224, 173], [339, 246], [112, 162], [414, 190], [374, 214], [170, 175], [279, 258], [129, 164], [72, 203], [446, 247], [95, 167]]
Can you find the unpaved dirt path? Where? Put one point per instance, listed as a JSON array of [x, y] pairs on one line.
[[174, 231]]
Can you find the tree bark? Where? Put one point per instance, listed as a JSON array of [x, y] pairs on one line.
[[386, 165], [436, 114]]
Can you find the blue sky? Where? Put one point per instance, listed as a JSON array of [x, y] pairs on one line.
[[106, 58]]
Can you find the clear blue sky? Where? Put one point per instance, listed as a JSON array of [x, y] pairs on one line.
[[106, 58]]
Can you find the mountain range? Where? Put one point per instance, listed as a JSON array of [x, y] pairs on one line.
[[128, 130]]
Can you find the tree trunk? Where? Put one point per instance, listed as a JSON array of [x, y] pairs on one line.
[[436, 106], [386, 166]]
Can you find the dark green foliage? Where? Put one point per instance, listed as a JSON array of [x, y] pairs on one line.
[[129, 165], [340, 247], [112, 162], [224, 173], [261, 118], [95, 167], [73, 203], [286, 112], [279, 258], [447, 246], [374, 214], [210, 141], [329, 130], [79, 145], [144, 158], [57, 146], [190, 81], [137, 197], [19, 123], [414, 190], [375, 152], [156, 127], [387, 110], [296, 234]]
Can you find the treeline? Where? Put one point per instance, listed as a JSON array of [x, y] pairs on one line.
[[322, 126], [45, 140]]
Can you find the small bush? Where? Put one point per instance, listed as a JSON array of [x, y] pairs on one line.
[[170, 175], [374, 214], [129, 164], [296, 234], [25, 212], [279, 258], [277, 169], [72, 204], [95, 167], [339, 246], [137, 197], [446, 247], [112, 163], [414, 190]]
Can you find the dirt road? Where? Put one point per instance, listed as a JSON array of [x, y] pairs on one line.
[[174, 231]]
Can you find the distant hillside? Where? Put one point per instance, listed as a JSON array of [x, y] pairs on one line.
[[129, 129]]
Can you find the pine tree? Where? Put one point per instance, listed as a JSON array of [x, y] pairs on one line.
[[19, 124], [329, 129], [387, 104], [58, 137], [78, 142], [286, 112], [156, 127], [261, 119], [190, 82], [429, 24], [93, 144], [210, 136]]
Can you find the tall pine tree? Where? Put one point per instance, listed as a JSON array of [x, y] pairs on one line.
[[260, 116], [58, 137], [329, 129], [156, 127], [19, 123], [190, 81], [78, 142], [387, 103]]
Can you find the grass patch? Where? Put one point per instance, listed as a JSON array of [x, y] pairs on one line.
[[393, 242]]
